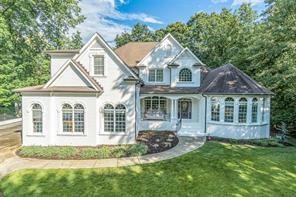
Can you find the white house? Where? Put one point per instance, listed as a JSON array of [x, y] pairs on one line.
[[97, 95]]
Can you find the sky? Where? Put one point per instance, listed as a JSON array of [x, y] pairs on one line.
[[112, 17]]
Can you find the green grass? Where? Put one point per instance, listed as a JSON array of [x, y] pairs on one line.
[[56, 152], [216, 169]]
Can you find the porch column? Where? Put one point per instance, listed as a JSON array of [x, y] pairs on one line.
[[174, 109]]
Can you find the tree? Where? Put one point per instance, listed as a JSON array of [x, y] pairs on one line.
[[139, 33], [27, 29]]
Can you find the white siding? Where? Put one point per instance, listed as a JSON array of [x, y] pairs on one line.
[[58, 60]]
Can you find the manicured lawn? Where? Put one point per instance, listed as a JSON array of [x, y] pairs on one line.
[[216, 169]]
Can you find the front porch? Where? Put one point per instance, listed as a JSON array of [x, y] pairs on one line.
[[178, 112]]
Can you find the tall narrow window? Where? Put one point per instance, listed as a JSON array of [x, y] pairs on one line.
[[185, 75], [263, 109], [229, 109], [254, 110], [37, 118], [155, 75], [242, 110], [67, 118], [108, 118], [215, 109], [120, 118], [98, 65], [79, 118]]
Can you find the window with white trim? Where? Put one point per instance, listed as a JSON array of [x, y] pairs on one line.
[[185, 75], [155, 75], [78, 118], [37, 118], [254, 110], [242, 110], [215, 109], [114, 119], [155, 108], [73, 119], [229, 110], [98, 64]]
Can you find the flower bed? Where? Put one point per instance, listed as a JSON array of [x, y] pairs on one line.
[[68, 152], [157, 141]]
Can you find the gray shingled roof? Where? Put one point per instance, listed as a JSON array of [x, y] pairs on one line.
[[228, 79], [166, 89]]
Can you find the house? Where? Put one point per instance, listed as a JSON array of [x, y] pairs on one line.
[[97, 95]]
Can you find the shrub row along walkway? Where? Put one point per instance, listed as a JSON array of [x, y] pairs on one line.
[[185, 145]]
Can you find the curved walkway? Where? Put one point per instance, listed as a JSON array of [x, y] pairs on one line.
[[184, 146]]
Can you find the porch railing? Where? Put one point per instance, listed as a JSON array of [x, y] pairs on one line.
[[155, 115], [178, 125]]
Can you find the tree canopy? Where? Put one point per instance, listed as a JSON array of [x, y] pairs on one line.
[[27, 28], [263, 46]]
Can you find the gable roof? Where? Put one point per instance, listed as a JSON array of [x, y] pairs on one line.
[[101, 39], [133, 52], [158, 44], [190, 52], [80, 69], [228, 79]]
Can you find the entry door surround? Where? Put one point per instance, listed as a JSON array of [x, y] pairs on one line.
[[184, 108]]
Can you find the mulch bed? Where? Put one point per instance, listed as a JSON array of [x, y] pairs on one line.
[[157, 141]]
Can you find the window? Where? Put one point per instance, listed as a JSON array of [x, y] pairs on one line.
[[155, 108], [67, 118], [184, 108], [37, 118], [254, 110], [73, 120], [98, 65], [120, 118], [79, 118], [185, 75], [155, 75], [109, 118], [215, 109], [114, 119], [229, 109], [263, 109], [242, 110]]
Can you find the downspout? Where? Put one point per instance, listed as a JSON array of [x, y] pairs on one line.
[[206, 106]]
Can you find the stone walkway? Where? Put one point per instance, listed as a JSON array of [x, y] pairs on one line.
[[185, 145]]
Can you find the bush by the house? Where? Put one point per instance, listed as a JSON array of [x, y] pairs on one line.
[[101, 152], [267, 142]]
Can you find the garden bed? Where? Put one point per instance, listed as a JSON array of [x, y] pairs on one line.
[[68, 152], [157, 141]]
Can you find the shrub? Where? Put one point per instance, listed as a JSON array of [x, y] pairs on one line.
[[138, 150], [268, 142], [48, 152]]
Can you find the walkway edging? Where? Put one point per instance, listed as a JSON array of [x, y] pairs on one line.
[[184, 146]]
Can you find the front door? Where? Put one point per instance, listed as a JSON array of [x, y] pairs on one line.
[[184, 108]]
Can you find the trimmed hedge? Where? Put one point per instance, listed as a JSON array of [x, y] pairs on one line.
[[68, 152]]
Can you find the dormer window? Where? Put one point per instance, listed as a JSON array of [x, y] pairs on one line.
[[155, 75], [185, 75], [98, 65]]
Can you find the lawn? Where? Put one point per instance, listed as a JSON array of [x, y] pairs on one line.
[[215, 169]]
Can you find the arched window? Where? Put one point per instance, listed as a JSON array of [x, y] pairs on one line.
[[120, 118], [108, 118], [37, 118], [229, 110], [114, 119], [79, 118], [255, 110], [215, 109], [67, 118], [185, 75], [242, 110]]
